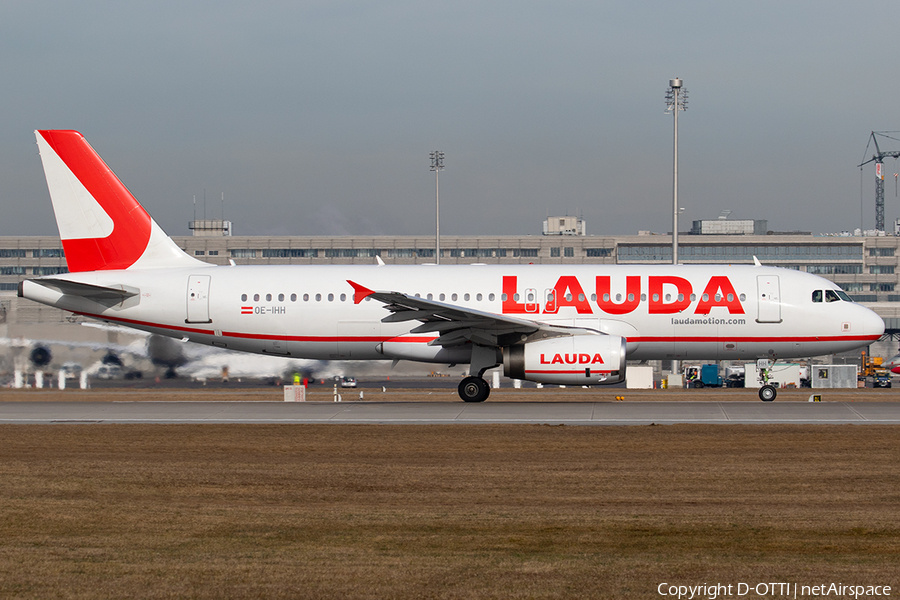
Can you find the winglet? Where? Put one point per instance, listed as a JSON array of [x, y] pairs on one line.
[[360, 292], [756, 262]]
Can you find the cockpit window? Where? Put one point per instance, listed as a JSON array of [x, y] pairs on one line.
[[830, 296]]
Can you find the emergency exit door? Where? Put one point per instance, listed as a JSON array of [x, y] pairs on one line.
[[768, 300], [198, 299]]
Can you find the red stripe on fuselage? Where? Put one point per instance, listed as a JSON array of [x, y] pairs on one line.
[[760, 339], [177, 328]]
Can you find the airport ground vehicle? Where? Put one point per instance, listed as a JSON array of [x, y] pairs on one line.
[[704, 376], [735, 376], [873, 368], [881, 380]]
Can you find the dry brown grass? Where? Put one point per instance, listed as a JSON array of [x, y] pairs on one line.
[[250, 511]]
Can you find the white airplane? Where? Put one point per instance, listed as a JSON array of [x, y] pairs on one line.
[[562, 324]]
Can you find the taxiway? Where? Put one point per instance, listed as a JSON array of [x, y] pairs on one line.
[[550, 413]]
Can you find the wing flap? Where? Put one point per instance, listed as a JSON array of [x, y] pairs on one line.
[[456, 325]]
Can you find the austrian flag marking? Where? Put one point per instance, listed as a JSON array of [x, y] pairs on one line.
[[246, 310]]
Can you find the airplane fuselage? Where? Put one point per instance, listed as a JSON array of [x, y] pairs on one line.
[[663, 312]]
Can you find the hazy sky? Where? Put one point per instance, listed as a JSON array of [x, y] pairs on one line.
[[318, 117]]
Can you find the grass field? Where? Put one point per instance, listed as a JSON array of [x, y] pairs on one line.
[[247, 511]]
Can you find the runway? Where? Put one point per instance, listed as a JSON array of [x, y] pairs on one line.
[[412, 413]]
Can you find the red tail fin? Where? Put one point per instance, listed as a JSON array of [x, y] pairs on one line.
[[101, 224]]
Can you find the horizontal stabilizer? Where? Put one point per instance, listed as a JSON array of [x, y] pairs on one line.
[[86, 290]]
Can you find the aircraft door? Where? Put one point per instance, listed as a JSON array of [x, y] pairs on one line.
[[768, 299], [198, 299]]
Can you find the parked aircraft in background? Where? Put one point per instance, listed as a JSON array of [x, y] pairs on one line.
[[172, 357], [893, 365], [563, 324]]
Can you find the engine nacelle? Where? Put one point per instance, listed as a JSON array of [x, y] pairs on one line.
[[573, 360]]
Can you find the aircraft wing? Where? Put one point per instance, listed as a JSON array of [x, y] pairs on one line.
[[454, 324]]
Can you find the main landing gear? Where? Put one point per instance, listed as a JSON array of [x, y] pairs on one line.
[[474, 389]]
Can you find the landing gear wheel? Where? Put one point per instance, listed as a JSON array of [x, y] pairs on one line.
[[474, 389], [767, 393]]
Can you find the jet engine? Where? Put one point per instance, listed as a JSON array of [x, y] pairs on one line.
[[572, 360], [40, 356]]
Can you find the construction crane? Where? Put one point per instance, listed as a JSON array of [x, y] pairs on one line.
[[878, 158]]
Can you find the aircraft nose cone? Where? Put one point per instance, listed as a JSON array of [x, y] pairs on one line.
[[871, 324]]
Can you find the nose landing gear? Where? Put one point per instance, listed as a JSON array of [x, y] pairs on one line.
[[767, 393]]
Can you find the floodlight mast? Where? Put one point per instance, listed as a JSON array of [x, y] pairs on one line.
[[676, 101], [437, 165]]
